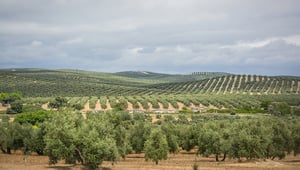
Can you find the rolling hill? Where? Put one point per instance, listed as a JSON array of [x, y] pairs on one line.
[[150, 91], [45, 83], [68, 83]]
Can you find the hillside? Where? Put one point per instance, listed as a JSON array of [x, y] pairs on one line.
[[251, 84], [69, 83], [170, 77]]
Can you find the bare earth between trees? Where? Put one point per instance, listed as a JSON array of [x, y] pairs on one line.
[[181, 161]]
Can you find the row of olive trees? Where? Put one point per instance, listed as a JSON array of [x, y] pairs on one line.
[[25, 137], [110, 136]]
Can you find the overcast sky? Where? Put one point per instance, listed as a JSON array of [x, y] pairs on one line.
[[236, 36]]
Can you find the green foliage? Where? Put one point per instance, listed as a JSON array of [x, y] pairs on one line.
[[10, 133], [33, 118], [71, 138], [213, 140], [119, 107], [138, 135], [93, 101], [58, 103], [294, 127], [31, 108], [249, 139], [188, 135], [279, 108], [265, 104], [15, 107], [182, 119], [169, 119], [70, 83], [14, 136], [122, 141], [67, 136], [77, 106], [185, 110], [296, 111], [4, 118], [156, 146], [170, 130], [281, 139], [7, 98]]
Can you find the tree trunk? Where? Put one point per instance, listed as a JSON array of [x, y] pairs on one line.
[[80, 155], [4, 151], [217, 157], [224, 157], [156, 162], [40, 152], [8, 150]]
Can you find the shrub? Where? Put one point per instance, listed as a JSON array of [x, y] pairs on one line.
[[78, 106]]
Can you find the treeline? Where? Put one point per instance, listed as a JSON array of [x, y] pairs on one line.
[[110, 136]]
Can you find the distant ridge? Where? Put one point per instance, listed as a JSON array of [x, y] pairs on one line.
[[141, 74]]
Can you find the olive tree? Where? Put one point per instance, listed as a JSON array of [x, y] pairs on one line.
[[281, 139], [214, 139], [10, 137], [249, 139], [156, 146], [138, 135], [171, 134], [68, 137]]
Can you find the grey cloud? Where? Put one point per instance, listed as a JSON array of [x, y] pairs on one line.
[[170, 36]]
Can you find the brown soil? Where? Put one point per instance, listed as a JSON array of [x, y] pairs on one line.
[[136, 162], [171, 107], [98, 105], [193, 106], [45, 106], [140, 106], [233, 85], [222, 85], [210, 86], [214, 89], [225, 91], [129, 107], [150, 107], [3, 108], [108, 107], [161, 107], [239, 85]]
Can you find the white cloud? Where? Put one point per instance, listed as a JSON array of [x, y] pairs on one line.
[[250, 44], [294, 40], [74, 41], [240, 45]]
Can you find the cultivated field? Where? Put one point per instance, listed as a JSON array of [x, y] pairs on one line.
[[182, 161], [91, 117]]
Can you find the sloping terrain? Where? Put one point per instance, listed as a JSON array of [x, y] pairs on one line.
[[69, 83], [45, 83], [251, 84]]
